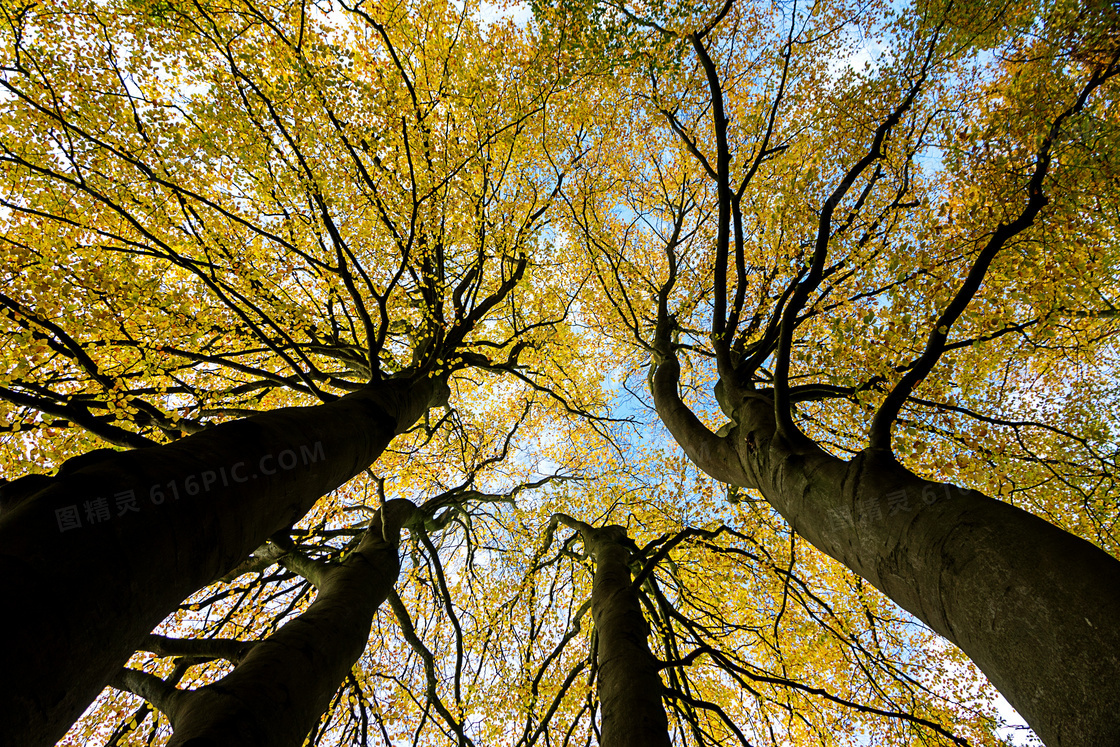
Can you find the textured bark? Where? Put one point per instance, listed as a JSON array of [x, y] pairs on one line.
[[630, 688], [87, 596], [1037, 608], [284, 684]]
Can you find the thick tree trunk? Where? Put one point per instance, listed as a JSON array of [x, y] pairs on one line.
[[91, 562], [1037, 608], [630, 687], [281, 688]]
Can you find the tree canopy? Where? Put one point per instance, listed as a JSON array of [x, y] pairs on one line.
[[582, 373]]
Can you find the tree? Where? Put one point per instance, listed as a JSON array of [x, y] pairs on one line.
[[815, 214], [250, 260], [629, 684], [282, 684]]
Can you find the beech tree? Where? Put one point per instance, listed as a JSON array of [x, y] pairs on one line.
[[629, 683], [282, 684], [862, 299], [250, 258], [249, 250]]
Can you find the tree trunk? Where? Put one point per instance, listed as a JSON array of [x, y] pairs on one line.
[[93, 561], [630, 687], [281, 688], [1037, 608]]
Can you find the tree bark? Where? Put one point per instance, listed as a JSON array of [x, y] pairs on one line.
[[1036, 608], [281, 688], [156, 524], [630, 688]]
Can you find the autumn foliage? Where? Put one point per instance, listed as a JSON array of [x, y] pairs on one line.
[[804, 315]]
